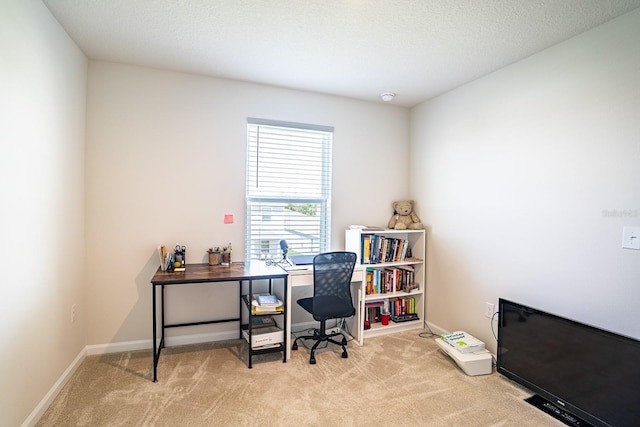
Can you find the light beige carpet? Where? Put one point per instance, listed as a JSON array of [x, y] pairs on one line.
[[393, 380]]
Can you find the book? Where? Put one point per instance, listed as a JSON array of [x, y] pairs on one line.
[[369, 280], [375, 303], [262, 322], [405, 318], [268, 300], [463, 342], [258, 311], [366, 249], [408, 276], [268, 309], [366, 227], [265, 346], [264, 337], [271, 302], [162, 254]]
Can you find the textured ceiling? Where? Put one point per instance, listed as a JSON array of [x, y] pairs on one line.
[[354, 48]]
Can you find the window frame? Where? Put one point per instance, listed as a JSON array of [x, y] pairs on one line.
[[255, 196]]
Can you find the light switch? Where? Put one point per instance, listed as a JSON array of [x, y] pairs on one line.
[[631, 237]]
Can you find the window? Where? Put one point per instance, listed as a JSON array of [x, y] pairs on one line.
[[288, 194]]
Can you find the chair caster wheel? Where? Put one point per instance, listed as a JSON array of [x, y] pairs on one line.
[[312, 361], [294, 346], [344, 355]]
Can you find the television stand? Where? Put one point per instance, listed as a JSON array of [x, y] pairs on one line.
[[556, 412]]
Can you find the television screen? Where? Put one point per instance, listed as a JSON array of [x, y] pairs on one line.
[[592, 374]]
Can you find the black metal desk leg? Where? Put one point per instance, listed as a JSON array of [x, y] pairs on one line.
[[153, 343], [286, 332], [250, 323], [162, 318]]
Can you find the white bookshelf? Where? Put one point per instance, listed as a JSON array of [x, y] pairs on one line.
[[416, 240]]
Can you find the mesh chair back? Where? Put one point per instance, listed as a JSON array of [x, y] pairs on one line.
[[332, 273]]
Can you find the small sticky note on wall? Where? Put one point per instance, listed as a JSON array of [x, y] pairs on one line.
[[228, 219]]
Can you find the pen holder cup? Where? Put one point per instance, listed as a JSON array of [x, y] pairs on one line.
[[214, 258], [226, 258], [179, 259]]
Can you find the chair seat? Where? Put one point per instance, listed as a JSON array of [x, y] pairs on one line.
[[327, 307]]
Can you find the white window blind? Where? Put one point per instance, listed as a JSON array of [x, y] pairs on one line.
[[288, 193]]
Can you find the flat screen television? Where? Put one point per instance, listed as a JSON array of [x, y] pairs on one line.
[[582, 375]]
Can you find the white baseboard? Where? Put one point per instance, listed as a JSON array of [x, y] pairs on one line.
[[120, 347], [300, 328], [303, 327], [435, 328], [39, 410], [200, 338]]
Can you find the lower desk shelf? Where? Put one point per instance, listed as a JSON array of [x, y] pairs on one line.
[[263, 340]]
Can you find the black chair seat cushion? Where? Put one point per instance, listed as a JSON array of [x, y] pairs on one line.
[[327, 307]]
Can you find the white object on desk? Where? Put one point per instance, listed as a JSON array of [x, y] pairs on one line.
[[296, 267]]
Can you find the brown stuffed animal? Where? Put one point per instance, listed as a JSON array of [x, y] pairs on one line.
[[404, 218]]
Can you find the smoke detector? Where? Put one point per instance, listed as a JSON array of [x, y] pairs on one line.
[[387, 96]]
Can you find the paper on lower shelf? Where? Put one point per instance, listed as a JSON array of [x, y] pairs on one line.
[[264, 336]]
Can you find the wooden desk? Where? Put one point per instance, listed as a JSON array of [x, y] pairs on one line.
[[204, 273]]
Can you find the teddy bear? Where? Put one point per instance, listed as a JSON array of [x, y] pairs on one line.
[[404, 218]]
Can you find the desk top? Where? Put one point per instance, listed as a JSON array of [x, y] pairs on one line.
[[308, 269], [203, 273]]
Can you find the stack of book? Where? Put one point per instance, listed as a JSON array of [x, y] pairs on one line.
[[373, 311], [389, 279], [262, 322], [376, 249], [463, 342], [403, 309], [266, 304]]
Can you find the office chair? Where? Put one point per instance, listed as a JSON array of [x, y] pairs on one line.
[[331, 299]]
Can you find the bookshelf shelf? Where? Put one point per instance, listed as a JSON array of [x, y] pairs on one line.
[[401, 294], [394, 275]]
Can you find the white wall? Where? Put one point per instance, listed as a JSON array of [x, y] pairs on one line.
[[512, 174], [42, 111], [517, 175], [166, 161]]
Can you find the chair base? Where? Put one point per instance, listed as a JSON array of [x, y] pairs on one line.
[[319, 337]]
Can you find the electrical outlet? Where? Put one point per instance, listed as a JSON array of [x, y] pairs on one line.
[[488, 310], [73, 313], [333, 330], [631, 237]]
